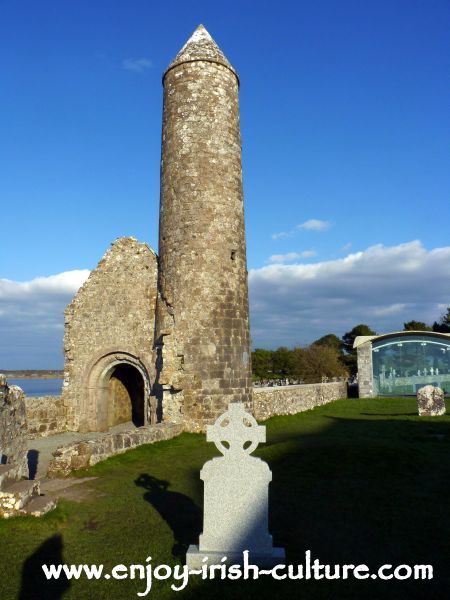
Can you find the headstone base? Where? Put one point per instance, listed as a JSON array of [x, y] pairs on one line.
[[194, 558]]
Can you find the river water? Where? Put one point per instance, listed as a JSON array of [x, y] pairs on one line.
[[39, 387]]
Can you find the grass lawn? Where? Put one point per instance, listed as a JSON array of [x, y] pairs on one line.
[[355, 481]]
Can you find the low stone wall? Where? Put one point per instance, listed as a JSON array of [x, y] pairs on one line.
[[268, 402], [46, 415], [89, 452], [291, 399]]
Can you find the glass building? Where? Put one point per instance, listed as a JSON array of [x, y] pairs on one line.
[[398, 364]]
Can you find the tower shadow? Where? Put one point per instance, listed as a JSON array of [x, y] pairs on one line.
[[178, 511], [34, 584]]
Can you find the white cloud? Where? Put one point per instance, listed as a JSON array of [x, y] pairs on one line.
[[289, 303], [382, 286], [309, 225], [315, 225], [62, 283], [282, 235], [393, 309], [290, 256], [32, 321], [346, 247], [138, 65]]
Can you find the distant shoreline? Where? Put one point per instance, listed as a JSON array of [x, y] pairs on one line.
[[33, 374]]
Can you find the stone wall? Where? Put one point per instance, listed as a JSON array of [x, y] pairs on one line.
[[288, 400], [46, 415], [13, 428], [267, 402], [110, 323], [89, 452]]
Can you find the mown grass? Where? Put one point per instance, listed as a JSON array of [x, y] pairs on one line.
[[355, 481]]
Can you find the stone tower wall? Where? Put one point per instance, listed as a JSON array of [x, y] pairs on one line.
[[365, 370], [203, 314], [110, 320]]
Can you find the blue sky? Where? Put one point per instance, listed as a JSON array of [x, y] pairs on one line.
[[345, 126]]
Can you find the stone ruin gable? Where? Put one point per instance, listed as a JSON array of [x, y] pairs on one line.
[[202, 325], [108, 340], [13, 429]]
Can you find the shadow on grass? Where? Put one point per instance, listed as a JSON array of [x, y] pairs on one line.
[[349, 487], [34, 585], [357, 491], [182, 515], [370, 414]]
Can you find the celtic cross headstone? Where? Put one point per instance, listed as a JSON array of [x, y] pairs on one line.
[[236, 495]]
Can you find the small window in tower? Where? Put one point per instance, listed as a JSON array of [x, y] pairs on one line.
[[233, 254]]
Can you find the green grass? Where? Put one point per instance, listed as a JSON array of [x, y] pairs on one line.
[[355, 481]]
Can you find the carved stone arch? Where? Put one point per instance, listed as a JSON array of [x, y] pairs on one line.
[[110, 378]]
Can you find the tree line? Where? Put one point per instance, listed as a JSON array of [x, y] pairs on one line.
[[326, 358]]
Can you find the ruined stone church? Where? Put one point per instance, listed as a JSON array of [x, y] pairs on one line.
[[166, 337]]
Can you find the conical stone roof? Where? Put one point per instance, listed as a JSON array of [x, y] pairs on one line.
[[200, 46]]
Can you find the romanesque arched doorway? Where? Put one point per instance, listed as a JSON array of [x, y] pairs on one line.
[[119, 391], [126, 396]]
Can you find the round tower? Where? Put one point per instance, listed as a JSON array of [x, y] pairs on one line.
[[202, 322]]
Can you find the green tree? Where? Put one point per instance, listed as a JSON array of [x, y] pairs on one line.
[[317, 362], [282, 362], [416, 326], [348, 339], [443, 326], [262, 363], [297, 362], [331, 340]]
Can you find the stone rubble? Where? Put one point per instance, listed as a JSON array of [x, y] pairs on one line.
[[18, 496]]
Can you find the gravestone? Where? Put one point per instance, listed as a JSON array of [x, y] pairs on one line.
[[430, 401], [236, 496]]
